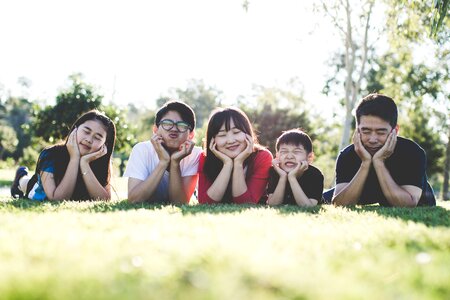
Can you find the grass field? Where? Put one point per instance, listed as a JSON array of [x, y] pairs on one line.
[[96, 250]]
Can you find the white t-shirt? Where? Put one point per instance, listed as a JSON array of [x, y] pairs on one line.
[[143, 161]]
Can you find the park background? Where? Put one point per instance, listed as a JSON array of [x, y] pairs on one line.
[[287, 64]]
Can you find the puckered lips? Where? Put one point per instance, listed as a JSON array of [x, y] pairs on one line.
[[173, 135]]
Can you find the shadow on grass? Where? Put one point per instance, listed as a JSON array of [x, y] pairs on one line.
[[103, 207], [429, 216]]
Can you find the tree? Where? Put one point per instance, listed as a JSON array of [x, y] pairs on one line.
[[8, 140], [53, 122], [353, 22], [201, 97], [440, 12]]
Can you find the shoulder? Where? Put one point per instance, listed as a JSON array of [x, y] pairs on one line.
[[408, 146], [263, 155], [194, 157], [143, 148], [313, 171], [349, 150]]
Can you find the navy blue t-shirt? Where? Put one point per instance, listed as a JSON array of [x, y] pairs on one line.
[[311, 183], [406, 165]]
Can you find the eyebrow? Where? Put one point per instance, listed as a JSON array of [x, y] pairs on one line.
[[89, 128], [376, 129]]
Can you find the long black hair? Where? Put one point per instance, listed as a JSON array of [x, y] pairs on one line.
[[219, 117], [59, 154]]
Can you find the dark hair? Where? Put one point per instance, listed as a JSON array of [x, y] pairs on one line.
[[295, 137], [185, 111], [219, 117], [100, 167], [378, 105]]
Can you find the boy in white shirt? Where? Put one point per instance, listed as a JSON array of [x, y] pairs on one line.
[[165, 169]]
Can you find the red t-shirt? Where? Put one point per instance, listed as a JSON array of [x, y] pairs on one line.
[[256, 178]]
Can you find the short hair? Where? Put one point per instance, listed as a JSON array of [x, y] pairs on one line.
[[378, 105], [295, 137], [185, 111]]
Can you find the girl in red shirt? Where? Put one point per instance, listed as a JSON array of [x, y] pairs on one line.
[[235, 168]]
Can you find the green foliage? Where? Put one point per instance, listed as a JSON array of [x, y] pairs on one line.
[[440, 12], [98, 250], [8, 140], [201, 97], [53, 123], [270, 122], [29, 157]]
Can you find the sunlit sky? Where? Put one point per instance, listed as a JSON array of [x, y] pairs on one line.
[[137, 50]]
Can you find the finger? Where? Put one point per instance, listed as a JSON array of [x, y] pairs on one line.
[[211, 144]]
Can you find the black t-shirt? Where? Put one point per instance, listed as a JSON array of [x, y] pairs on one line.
[[406, 165], [311, 183]]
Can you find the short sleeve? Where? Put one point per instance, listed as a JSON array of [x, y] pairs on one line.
[[345, 165], [190, 163], [46, 162], [138, 161]]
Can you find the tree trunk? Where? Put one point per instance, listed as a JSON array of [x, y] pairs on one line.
[[347, 127], [445, 186]]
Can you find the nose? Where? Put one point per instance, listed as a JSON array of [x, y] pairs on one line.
[[373, 139]]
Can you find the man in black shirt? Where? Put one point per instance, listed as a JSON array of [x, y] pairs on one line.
[[380, 167]]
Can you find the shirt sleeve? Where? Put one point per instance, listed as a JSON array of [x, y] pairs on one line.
[[414, 168], [191, 164], [203, 183], [136, 166], [345, 166], [46, 163], [273, 181], [313, 187], [256, 179]]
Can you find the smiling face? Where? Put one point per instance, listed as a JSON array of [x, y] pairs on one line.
[[231, 142], [173, 138], [91, 136], [291, 155], [374, 132]]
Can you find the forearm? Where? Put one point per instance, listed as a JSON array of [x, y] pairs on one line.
[[239, 185], [278, 194], [145, 189], [93, 186], [299, 195], [217, 190], [177, 193], [350, 194], [66, 187], [394, 193]]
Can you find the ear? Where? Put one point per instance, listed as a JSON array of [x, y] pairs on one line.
[[155, 128], [191, 135], [277, 155], [310, 157], [397, 128]]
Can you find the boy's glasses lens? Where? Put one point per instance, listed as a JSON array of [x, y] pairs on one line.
[[168, 125]]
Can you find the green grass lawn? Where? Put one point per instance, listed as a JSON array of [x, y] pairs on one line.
[[96, 250]]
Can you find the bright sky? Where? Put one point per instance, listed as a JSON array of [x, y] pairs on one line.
[[147, 47]]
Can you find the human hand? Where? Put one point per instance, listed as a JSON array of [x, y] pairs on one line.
[[299, 170], [72, 145], [387, 149], [224, 158], [362, 152], [157, 142], [87, 158], [247, 151], [185, 150], [276, 167]]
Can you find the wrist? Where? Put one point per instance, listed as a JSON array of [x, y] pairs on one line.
[[377, 163]]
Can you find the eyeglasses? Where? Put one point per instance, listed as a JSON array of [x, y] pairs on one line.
[[182, 126]]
